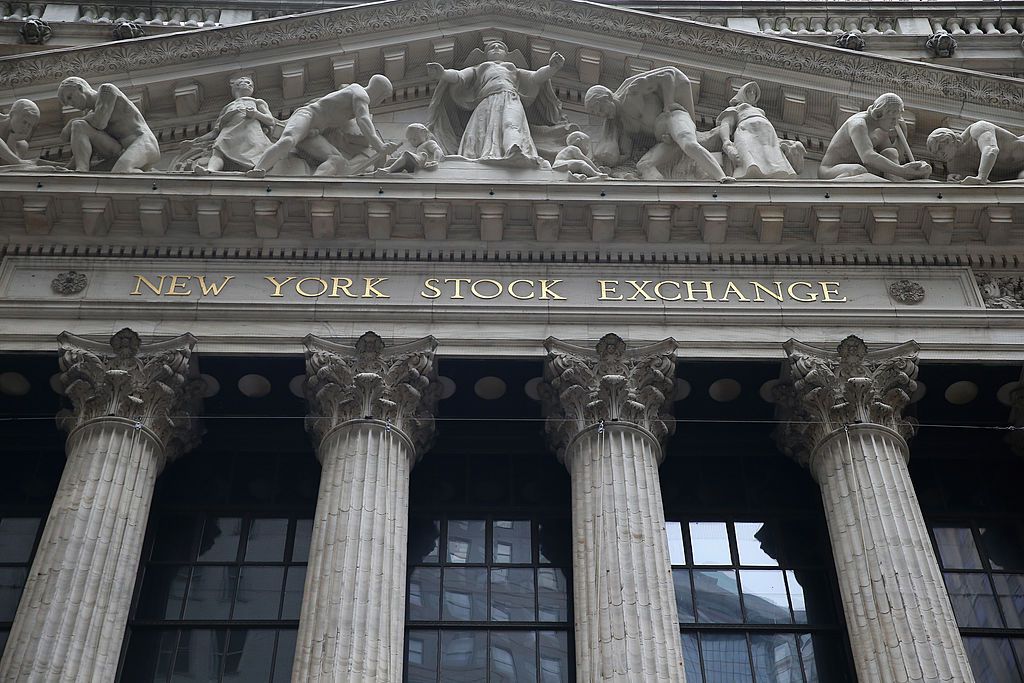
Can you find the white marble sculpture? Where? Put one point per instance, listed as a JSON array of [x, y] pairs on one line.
[[113, 128], [423, 153], [16, 129], [983, 153], [749, 142], [336, 131], [511, 107], [575, 160], [656, 103], [870, 145]]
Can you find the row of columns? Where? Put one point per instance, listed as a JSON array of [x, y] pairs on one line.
[[371, 418]]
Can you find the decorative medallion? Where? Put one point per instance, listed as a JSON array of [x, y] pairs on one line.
[[851, 41], [35, 31], [69, 282], [942, 44], [127, 30], [907, 292]]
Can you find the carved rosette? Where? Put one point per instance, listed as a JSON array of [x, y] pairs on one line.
[[69, 282], [397, 385], [823, 392], [906, 292], [583, 388], [152, 384]]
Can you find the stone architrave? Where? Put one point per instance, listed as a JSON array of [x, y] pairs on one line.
[[844, 421], [371, 417], [606, 417], [133, 407]]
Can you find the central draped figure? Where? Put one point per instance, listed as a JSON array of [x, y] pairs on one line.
[[499, 94]]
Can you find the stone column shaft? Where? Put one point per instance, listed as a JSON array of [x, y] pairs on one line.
[[605, 418], [130, 414], [371, 415]]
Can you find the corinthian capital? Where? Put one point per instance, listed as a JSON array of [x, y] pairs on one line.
[[825, 391], [611, 383], [397, 385], [153, 384]]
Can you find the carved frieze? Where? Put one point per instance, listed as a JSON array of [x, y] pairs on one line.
[[1001, 291]]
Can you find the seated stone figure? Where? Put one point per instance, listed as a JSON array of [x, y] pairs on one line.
[[750, 142], [575, 160], [426, 154], [870, 144], [16, 128], [983, 153], [112, 126]]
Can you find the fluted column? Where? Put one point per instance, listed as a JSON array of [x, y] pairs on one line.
[[845, 423], [371, 416], [605, 418], [132, 412]]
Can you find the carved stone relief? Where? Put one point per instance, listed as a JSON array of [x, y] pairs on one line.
[[1001, 291], [982, 153], [906, 292], [69, 282]]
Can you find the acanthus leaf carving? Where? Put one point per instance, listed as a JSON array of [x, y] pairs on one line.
[[583, 388], [154, 385], [822, 392], [397, 385]]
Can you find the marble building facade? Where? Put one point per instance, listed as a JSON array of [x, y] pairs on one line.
[[611, 333]]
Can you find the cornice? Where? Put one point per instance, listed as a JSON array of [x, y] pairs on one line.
[[337, 25]]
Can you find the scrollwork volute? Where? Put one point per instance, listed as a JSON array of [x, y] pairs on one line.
[[583, 388], [154, 385], [823, 392], [396, 385]]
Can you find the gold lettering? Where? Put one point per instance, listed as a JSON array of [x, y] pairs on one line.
[[142, 279], [458, 286], [607, 290], [828, 293], [302, 292], [811, 296], [337, 286], [175, 284], [371, 286], [731, 288], [512, 291], [758, 288], [213, 287], [690, 289], [431, 284], [478, 295], [277, 285], [640, 290], [545, 290], [663, 283]]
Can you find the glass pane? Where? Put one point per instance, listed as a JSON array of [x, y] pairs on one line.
[[992, 660], [249, 655], [285, 656], [514, 656], [259, 593], [210, 592], [718, 598], [512, 595], [691, 658], [973, 602], [421, 657], [753, 541], [554, 657], [220, 539], [12, 582], [465, 595], [1010, 591], [512, 542], [424, 594], [173, 540], [17, 536], [554, 542], [725, 658], [810, 660], [684, 595], [4, 634], [710, 541], [552, 587], [1004, 546], [813, 600], [824, 658], [676, 550], [764, 596], [266, 540], [143, 656], [466, 541], [956, 547], [163, 592], [776, 659], [424, 540], [463, 656], [294, 585], [303, 535], [198, 656]]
